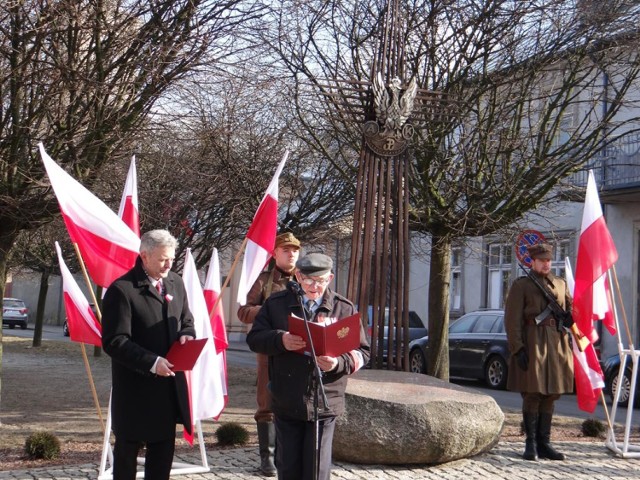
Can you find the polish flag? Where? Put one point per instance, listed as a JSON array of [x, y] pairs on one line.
[[588, 375], [83, 324], [596, 254], [261, 237], [205, 381], [212, 292], [108, 246], [129, 211]]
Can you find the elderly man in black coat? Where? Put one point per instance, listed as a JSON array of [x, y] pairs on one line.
[[291, 373], [144, 312]]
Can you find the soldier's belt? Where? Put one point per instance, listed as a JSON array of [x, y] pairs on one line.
[[550, 321]]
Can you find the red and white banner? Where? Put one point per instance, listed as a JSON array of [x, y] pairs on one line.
[[205, 381], [586, 367], [596, 254], [129, 211], [83, 324], [261, 237], [108, 246]]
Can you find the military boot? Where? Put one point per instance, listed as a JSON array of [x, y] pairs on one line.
[[267, 447], [543, 438], [530, 429]]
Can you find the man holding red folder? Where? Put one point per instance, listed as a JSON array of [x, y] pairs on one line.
[[291, 373], [144, 312]]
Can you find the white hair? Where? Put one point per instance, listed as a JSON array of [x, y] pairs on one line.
[[157, 238]]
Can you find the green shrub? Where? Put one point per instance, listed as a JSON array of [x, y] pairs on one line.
[[232, 433], [593, 428], [42, 445]]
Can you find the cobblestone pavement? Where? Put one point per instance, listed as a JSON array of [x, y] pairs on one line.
[[584, 461]]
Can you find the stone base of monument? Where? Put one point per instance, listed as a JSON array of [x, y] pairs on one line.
[[394, 418]]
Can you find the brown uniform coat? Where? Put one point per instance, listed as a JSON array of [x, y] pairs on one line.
[[550, 359]]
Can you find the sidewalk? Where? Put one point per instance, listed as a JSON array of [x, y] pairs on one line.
[[585, 460]]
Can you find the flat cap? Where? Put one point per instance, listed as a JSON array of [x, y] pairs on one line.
[[315, 264], [542, 251], [285, 239]]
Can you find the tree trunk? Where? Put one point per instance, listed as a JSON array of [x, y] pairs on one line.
[[42, 300], [7, 237], [439, 282]]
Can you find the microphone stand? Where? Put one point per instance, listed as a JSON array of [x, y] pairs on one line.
[[316, 382]]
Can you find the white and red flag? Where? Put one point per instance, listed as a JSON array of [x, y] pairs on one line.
[[205, 382], [83, 324], [596, 254], [589, 378], [129, 211], [261, 237], [212, 292], [108, 246]]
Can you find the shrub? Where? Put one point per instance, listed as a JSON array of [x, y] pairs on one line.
[[592, 427], [42, 445], [232, 433]]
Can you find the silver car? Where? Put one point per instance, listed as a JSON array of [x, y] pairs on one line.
[[15, 312]]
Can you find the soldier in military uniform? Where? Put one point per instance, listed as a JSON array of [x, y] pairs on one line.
[[285, 254], [541, 362]]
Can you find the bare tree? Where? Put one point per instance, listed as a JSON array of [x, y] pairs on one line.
[[535, 90], [82, 76]]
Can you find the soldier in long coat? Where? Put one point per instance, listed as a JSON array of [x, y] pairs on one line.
[[541, 362]]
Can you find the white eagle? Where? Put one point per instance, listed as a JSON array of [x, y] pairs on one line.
[[393, 110]]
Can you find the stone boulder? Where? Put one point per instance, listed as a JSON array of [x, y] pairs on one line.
[[406, 418]]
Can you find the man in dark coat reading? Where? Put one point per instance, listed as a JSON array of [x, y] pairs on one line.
[[144, 312]]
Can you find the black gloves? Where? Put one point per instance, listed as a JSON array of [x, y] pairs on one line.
[[522, 359], [567, 320]]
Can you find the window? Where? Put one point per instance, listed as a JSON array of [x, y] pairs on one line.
[[499, 272], [455, 289], [561, 251], [484, 324], [463, 324]]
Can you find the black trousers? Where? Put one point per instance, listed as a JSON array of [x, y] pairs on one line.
[[157, 460], [295, 447]]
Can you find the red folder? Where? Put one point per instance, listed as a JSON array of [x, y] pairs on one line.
[[332, 338], [184, 356]]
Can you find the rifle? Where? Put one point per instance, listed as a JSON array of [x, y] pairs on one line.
[[565, 319]]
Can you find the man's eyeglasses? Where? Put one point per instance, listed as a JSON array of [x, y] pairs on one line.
[[308, 281]]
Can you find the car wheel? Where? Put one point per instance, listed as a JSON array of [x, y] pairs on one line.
[[12, 326], [417, 362], [623, 401], [23, 326], [495, 373]]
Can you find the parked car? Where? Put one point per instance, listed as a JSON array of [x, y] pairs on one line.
[[416, 328], [65, 325], [611, 369], [15, 312], [477, 348]]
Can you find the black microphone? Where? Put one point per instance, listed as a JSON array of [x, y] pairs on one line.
[[295, 288]]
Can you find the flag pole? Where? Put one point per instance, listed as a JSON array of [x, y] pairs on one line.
[[226, 282], [624, 312], [84, 351]]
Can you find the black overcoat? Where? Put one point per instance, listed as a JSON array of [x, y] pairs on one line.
[[137, 327]]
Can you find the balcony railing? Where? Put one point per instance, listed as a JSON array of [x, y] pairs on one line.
[[617, 167]]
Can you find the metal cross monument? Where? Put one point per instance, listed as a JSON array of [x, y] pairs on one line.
[[380, 249]]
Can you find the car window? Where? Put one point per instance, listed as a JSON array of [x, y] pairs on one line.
[[463, 324], [13, 303], [484, 324], [498, 327], [414, 321]]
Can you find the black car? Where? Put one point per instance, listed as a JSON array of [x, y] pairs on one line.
[[611, 369], [416, 328], [477, 348]]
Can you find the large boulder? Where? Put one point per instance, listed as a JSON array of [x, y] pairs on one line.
[[406, 418]]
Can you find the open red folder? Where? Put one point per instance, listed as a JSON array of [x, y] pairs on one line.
[[333, 337], [184, 356]]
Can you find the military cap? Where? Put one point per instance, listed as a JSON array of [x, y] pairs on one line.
[[315, 264], [285, 239], [541, 251]]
